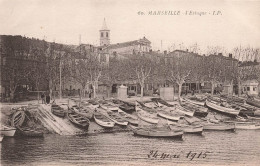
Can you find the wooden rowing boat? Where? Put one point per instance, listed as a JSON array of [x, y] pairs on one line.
[[158, 132], [83, 111], [220, 108], [189, 129], [79, 120], [109, 107], [18, 118], [185, 111], [199, 111], [247, 125], [27, 132], [116, 118], [145, 116], [219, 127], [58, 111], [103, 121], [169, 115], [253, 102], [130, 118], [145, 108], [7, 131]]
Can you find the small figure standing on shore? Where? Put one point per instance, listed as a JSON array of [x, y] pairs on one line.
[[48, 99], [43, 98], [89, 95]]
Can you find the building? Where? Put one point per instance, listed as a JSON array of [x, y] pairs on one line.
[[250, 87], [129, 47], [104, 33], [251, 72]]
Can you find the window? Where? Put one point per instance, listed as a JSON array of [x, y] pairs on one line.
[[101, 34], [107, 34], [244, 88], [254, 88], [248, 88]]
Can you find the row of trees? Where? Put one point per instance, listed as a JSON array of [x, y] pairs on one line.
[[51, 64]]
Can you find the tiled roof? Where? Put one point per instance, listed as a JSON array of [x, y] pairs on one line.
[[126, 44]]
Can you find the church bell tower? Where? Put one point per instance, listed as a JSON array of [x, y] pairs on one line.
[[104, 34]]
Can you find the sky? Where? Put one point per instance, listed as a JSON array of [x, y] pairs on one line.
[[63, 21]]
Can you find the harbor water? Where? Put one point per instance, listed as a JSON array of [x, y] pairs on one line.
[[212, 148]]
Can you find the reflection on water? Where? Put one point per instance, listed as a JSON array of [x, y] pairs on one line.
[[241, 147]]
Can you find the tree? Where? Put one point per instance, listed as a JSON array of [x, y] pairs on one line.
[[113, 72], [180, 68], [139, 67]]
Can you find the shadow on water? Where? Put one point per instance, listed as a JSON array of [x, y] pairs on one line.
[[123, 147]]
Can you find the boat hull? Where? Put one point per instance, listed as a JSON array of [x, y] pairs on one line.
[[193, 129], [163, 115], [58, 111], [219, 127], [143, 115], [83, 123], [184, 111], [221, 109], [30, 133], [128, 117], [195, 102], [110, 124], [247, 126], [253, 103], [158, 134], [8, 132], [18, 118], [200, 114]]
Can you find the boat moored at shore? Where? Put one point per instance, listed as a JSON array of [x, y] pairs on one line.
[[7, 131], [158, 132], [217, 106]]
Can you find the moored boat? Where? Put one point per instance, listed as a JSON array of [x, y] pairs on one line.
[[130, 118], [219, 127], [247, 125], [7, 131], [145, 116], [79, 120], [190, 129], [253, 102], [145, 108], [117, 119], [58, 111], [103, 121], [169, 115], [83, 111], [109, 107], [18, 118], [27, 132], [185, 111], [221, 108], [158, 132], [199, 111]]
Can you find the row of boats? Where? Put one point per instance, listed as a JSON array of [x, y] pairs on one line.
[[154, 118], [188, 116]]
